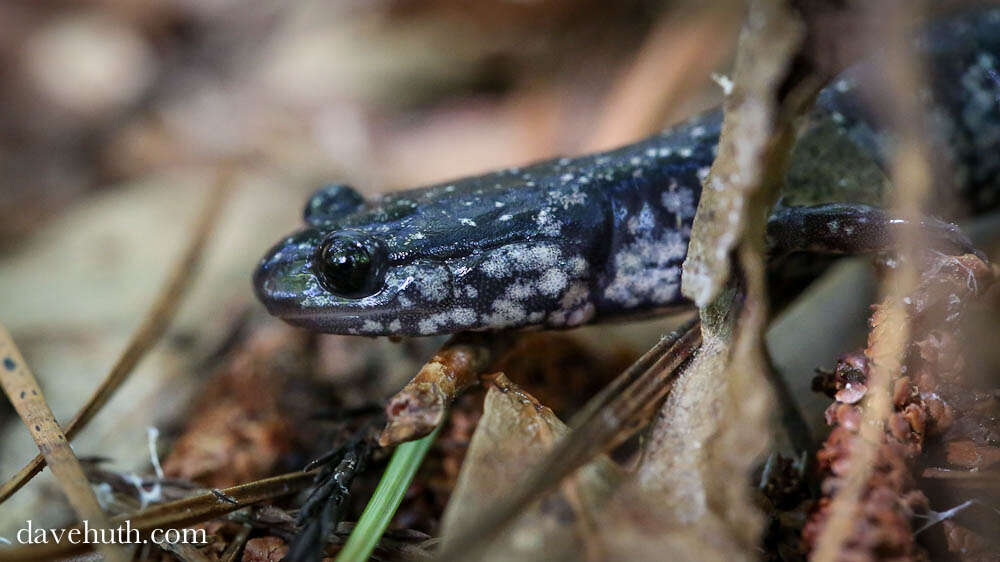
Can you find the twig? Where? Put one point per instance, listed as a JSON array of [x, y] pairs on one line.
[[22, 389], [889, 339], [422, 404], [155, 324], [236, 545]]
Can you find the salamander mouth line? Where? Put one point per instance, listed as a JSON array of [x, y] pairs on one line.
[[358, 315]]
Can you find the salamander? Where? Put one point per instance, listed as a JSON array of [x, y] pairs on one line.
[[597, 237]]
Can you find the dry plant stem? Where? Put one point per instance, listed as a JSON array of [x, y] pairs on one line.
[[679, 47], [152, 328], [935, 407], [179, 514], [422, 404], [611, 417], [911, 176], [889, 339], [24, 393], [236, 545]]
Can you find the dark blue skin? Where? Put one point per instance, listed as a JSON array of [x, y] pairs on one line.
[[555, 244], [597, 237]]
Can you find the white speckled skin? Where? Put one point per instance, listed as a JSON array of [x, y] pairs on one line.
[[577, 240], [555, 244]]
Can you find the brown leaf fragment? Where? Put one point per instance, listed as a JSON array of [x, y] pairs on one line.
[[616, 413], [513, 435], [967, 454], [421, 405], [238, 430], [265, 549], [638, 524], [754, 144], [968, 545], [701, 448], [714, 427]]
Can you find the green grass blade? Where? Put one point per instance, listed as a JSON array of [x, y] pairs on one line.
[[406, 459]]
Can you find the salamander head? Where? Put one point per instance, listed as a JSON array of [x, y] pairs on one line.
[[333, 281], [422, 262]]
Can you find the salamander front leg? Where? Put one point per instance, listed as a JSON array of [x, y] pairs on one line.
[[853, 228]]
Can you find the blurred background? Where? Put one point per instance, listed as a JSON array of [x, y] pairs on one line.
[[116, 116], [386, 93]]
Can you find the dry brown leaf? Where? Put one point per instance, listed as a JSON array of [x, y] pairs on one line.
[[616, 413], [513, 435], [696, 464], [714, 426], [754, 143], [265, 549]]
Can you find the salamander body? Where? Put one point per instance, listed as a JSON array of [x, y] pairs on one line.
[[577, 240]]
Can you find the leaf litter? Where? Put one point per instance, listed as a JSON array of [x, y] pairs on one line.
[[662, 463]]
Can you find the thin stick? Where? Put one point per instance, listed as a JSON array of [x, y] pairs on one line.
[[422, 404], [236, 546], [890, 339], [155, 324], [22, 389]]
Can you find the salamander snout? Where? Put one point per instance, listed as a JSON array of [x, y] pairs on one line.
[[340, 282], [284, 275]]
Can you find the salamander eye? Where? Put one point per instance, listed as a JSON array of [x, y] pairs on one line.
[[350, 264]]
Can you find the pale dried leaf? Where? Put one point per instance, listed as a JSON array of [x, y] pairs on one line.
[[704, 443], [770, 36], [513, 435]]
